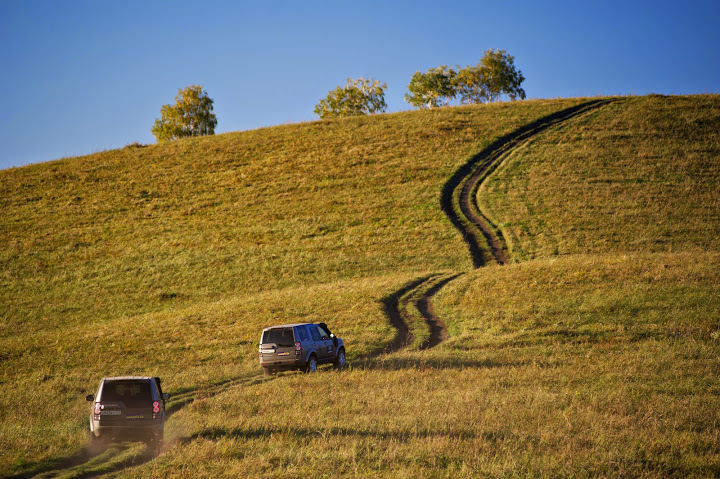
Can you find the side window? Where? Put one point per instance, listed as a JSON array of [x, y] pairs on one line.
[[314, 332], [302, 333], [324, 332]]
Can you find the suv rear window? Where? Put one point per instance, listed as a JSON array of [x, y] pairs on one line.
[[280, 336], [132, 393]]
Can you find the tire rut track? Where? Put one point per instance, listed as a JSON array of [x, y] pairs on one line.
[[458, 195], [484, 239], [410, 309]]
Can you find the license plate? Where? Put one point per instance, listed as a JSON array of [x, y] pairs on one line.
[[267, 351], [110, 412]]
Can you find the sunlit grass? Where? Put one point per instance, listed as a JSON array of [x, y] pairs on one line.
[[581, 366], [599, 357], [634, 176], [169, 259]]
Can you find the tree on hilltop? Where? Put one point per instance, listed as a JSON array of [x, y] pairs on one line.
[[487, 81], [191, 115], [494, 76], [434, 88], [358, 97]]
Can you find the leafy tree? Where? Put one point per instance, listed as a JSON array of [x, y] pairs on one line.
[[435, 87], [191, 115], [487, 81], [358, 97]]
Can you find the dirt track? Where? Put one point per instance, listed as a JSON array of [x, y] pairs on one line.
[[484, 239]]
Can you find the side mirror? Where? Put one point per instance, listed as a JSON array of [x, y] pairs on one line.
[[90, 397], [166, 396]]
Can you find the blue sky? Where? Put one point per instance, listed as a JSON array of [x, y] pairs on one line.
[[84, 76]]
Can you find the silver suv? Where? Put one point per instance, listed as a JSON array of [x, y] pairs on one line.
[[300, 346], [128, 407]]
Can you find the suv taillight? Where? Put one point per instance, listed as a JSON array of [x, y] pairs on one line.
[[298, 348], [97, 408], [156, 409]]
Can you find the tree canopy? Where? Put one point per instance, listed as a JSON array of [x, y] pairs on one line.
[[191, 115], [494, 76], [359, 96], [487, 81], [435, 87]]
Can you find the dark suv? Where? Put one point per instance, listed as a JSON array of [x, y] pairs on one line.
[[128, 407], [300, 346]]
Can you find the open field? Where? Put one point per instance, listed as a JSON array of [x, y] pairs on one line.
[[595, 352]]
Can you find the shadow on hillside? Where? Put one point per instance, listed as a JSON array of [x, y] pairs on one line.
[[415, 363], [215, 433]]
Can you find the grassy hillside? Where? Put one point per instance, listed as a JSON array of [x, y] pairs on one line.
[[169, 259], [638, 176], [131, 260]]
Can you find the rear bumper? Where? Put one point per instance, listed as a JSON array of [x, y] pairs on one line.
[[139, 430], [277, 363]]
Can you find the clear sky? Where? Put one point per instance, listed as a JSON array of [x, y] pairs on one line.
[[83, 76]]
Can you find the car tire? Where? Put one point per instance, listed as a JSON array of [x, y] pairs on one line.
[[340, 360], [267, 371], [312, 364]]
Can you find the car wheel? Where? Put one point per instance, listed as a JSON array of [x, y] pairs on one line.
[[311, 365], [267, 371], [340, 361]]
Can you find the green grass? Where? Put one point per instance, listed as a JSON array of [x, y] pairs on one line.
[[641, 175], [169, 260]]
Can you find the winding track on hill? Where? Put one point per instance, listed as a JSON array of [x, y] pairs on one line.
[[484, 239], [458, 201]]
